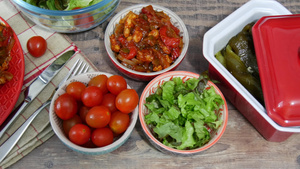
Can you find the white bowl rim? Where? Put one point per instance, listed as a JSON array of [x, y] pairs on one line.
[[110, 26]]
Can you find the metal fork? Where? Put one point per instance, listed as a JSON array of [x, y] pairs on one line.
[[6, 147]]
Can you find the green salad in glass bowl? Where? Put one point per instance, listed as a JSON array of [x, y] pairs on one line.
[[67, 16]]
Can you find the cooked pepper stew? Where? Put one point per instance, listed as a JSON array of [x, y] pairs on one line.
[[146, 42]]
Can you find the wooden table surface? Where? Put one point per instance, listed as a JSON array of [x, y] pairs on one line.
[[241, 146]]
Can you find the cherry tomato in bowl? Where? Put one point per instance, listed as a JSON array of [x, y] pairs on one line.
[[118, 139], [127, 100], [85, 20], [37, 46]]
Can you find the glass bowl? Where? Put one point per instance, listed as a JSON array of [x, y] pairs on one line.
[[69, 21]]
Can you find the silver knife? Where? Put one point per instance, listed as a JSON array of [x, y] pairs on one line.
[[38, 85]]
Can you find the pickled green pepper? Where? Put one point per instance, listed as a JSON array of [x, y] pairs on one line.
[[239, 58]]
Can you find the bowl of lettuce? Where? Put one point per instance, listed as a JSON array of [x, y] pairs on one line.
[[67, 16], [182, 113]]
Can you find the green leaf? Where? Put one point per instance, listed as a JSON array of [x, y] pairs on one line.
[[167, 91], [187, 139]]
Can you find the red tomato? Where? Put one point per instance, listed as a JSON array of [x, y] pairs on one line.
[[91, 96], [65, 106], [102, 137], [127, 100], [98, 117], [83, 110], [89, 144], [109, 102], [36, 46], [75, 89], [68, 124], [99, 81], [83, 20], [80, 134], [119, 122], [116, 83]]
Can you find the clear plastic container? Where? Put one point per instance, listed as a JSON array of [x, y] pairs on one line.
[[69, 21]]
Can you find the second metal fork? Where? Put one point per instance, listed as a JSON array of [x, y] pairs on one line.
[[6, 147]]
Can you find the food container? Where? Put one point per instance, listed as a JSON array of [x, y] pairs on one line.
[[145, 76], [215, 39], [277, 47], [10, 91], [69, 21], [151, 88], [56, 122]]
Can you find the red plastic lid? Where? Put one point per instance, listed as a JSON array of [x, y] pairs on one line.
[[277, 46]]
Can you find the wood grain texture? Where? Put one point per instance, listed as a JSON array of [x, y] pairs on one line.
[[241, 145]]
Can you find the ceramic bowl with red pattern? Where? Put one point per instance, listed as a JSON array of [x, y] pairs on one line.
[[138, 75], [182, 132]]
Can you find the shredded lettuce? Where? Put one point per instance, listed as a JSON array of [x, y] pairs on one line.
[[181, 113], [62, 4]]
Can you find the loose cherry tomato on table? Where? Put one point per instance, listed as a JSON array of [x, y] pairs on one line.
[[80, 134], [65, 106], [98, 117], [119, 122], [36, 46], [68, 124], [127, 100], [83, 20], [91, 96], [99, 81], [75, 89], [116, 83], [102, 137]]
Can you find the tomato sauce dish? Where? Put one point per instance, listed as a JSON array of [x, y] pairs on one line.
[[145, 40]]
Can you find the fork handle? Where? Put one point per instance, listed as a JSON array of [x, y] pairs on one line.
[[7, 146]]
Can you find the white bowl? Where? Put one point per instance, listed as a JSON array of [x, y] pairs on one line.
[[175, 20], [56, 122], [152, 87]]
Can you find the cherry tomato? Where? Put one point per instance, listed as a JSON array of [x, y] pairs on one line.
[[80, 134], [89, 144], [99, 81], [68, 124], [119, 122], [98, 117], [83, 20], [109, 102], [75, 89], [102, 137], [127, 100], [116, 83], [91, 96], [65, 106], [36, 46], [83, 110]]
